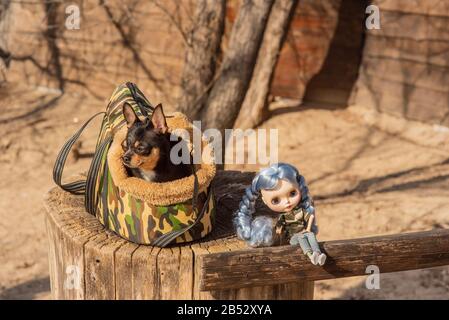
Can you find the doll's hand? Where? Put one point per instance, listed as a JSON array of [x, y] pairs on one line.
[[310, 223], [279, 230]]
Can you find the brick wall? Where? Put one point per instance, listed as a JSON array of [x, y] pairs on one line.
[[405, 64]]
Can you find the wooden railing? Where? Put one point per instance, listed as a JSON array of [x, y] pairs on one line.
[[346, 258]]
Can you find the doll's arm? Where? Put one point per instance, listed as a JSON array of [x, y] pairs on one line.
[[310, 222]]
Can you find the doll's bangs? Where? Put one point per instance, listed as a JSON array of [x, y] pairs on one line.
[[268, 178]]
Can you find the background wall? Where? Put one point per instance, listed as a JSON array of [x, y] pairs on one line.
[[405, 64], [148, 48], [400, 69]]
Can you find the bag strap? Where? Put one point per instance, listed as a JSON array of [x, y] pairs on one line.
[[91, 197], [140, 99], [144, 105], [77, 187]]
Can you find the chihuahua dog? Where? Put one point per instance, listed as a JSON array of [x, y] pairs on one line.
[[147, 148]]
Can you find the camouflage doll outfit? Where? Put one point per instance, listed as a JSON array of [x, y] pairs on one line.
[[293, 226]]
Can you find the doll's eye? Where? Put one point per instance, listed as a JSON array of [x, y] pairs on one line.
[[293, 193], [275, 201]]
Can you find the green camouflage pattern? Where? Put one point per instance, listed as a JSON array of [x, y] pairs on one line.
[[130, 217]]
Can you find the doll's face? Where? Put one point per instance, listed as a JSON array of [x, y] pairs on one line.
[[284, 197]]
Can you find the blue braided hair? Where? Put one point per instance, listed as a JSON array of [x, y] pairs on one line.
[[258, 232]]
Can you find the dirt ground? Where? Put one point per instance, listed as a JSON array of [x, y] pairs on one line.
[[371, 174]]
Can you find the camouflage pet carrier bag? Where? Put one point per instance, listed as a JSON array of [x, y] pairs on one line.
[[143, 212]]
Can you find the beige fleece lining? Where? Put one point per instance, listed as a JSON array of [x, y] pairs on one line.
[[156, 193]]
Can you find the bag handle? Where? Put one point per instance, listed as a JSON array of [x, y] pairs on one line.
[[77, 187], [91, 197], [142, 102], [140, 99]]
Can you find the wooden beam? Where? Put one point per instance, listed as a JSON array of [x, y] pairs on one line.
[[346, 258]]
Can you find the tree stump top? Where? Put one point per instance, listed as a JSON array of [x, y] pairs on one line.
[[67, 212]]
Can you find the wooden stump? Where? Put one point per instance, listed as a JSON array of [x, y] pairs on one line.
[[89, 262]]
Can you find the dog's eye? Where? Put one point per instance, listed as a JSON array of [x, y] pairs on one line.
[[140, 149]]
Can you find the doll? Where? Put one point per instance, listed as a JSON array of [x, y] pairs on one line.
[[284, 191]]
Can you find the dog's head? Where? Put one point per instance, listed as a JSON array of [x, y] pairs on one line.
[[147, 142]]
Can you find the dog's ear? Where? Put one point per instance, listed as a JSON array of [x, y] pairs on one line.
[[129, 114], [158, 119]]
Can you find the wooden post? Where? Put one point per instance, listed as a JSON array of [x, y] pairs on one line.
[[89, 262]]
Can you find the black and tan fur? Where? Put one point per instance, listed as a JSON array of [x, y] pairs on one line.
[[147, 148]]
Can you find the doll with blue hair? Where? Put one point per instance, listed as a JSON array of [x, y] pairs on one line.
[[283, 190]]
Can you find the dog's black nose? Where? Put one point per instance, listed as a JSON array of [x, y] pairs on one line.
[[126, 158]]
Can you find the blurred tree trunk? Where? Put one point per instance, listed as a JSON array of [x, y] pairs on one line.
[[203, 50], [254, 109], [51, 34], [227, 94]]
